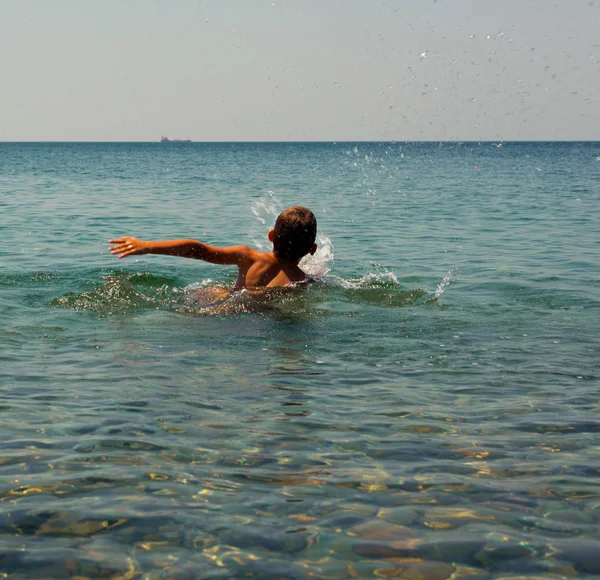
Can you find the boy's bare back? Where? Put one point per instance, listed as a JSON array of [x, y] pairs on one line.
[[264, 269]]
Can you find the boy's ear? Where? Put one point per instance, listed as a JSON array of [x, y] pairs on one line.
[[271, 235], [313, 249]]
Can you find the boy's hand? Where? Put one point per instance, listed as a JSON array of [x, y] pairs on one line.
[[128, 246]]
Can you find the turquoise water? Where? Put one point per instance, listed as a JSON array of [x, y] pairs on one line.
[[428, 409]]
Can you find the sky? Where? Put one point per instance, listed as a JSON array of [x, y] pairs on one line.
[[299, 70]]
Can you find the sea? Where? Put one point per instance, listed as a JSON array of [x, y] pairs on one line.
[[427, 409]]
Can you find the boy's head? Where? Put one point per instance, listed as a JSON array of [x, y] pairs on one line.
[[294, 234]]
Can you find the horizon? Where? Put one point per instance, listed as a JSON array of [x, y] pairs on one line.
[[308, 141]]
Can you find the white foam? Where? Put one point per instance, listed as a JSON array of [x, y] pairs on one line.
[[322, 260], [196, 286], [386, 278]]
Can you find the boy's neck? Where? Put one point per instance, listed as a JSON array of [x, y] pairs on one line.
[[286, 262]]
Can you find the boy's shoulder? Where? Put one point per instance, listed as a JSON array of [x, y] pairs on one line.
[[259, 255], [249, 253]]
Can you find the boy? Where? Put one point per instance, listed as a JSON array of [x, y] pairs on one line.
[[293, 238]]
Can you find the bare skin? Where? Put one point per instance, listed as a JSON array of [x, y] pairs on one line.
[[255, 268]]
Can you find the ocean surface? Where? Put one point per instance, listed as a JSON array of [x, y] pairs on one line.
[[428, 409]]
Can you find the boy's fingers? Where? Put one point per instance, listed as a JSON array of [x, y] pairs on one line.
[[120, 249], [121, 245], [123, 240]]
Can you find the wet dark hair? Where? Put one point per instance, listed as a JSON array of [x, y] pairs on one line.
[[295, 233]]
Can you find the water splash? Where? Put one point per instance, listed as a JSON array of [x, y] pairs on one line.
[[124, 292], [321, 262], [384, 288], [207, 282], [225, 301], [120, 292], [385, 279], [449, 277], [381, 289], [265, 211]]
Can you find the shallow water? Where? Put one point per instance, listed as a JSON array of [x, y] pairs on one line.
[[427, 409]]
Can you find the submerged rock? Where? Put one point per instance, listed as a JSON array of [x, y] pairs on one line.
[[584, 555], [402, 515], [503, 552], [273, 541], [385, 551], [415, 569], [379, 529]]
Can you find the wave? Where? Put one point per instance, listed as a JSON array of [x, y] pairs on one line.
[[381, 289], [120, 292], [126, 292], [371, 280]]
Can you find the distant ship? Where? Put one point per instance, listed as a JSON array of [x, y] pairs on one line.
[[164, 139]]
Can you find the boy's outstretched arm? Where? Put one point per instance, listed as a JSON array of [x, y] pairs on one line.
[[128, 246]]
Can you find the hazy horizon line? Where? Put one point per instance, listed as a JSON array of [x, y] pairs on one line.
[[309, 141]]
